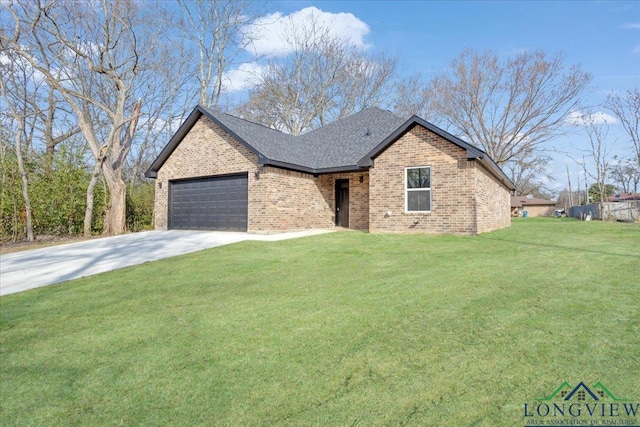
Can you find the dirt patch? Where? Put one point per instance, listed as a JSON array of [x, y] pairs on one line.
[[41, 242]]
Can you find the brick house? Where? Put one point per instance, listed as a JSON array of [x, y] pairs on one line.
[[370, 171], [534, 206]]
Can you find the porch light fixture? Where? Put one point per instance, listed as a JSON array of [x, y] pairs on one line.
[[361, 179], [257, 174]]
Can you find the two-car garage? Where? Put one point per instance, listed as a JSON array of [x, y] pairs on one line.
[[211, 203]]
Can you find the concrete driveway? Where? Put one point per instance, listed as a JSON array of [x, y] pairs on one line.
[[25, 270]]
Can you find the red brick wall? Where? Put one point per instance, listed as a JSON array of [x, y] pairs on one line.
[[466, 199], [493, 201], [205, 151], [286, 200], [459, 204], [538, 210], [279, 200], [358, 197]]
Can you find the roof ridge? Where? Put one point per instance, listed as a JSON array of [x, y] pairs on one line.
[[349, 117], [383, 110], [215, 112]]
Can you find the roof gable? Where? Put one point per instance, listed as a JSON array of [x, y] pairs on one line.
[[473, 153], [182, 131]]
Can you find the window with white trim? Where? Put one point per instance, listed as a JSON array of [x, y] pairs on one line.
[[417, 196]]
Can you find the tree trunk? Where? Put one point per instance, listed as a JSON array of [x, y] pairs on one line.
[[115, 219], [88, 212], [25, 184]]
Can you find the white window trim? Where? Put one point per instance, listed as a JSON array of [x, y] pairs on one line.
[[407, 190]]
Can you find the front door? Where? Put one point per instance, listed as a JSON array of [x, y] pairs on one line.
[[342, 203]]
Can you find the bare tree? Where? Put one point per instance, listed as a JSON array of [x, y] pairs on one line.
[[527, 174], [599, 153], [193, 70], [168, 98], [626, 173], [411, 96], [19, 109], [55, 116], [8, 202], [367, 80], [322, 79], [92, 55], [626, 108], [214, 31], [509, 108]]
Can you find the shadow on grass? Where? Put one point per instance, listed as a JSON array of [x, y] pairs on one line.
[[552, 246]]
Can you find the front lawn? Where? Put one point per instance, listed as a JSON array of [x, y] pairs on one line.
[[339, 329]]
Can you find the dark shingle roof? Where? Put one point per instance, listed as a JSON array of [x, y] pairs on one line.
[[339, 144], [348, 144], [346, 141], [272, 144]]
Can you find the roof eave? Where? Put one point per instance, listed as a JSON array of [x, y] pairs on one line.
[[285, 165], [186, 126], [367, 160], [496, 171], [473, 153], [350, 168], [182, 131], [313, 171], [232, 133]]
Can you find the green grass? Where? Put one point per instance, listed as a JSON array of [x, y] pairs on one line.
[[339, 329]]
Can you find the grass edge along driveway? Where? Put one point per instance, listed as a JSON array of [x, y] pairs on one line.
[[341, 329]]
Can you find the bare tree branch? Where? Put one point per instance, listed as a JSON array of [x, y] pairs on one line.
[[321, 80], [508, 109], [599, 153], [91, 55], [215, 29], [626, 108]]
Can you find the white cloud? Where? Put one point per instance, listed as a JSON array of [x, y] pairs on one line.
[[632, 26], [241, 78], [22, 68], [268, 33], [597, 118]]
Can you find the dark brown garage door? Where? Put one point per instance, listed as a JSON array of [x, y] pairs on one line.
[[215, 203]]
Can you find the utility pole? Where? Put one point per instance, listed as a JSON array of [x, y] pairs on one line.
[[570, 193], [586, 186], [578, 190]]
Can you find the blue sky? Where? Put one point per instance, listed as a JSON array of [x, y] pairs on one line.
[[425, 35], [602, 36]]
